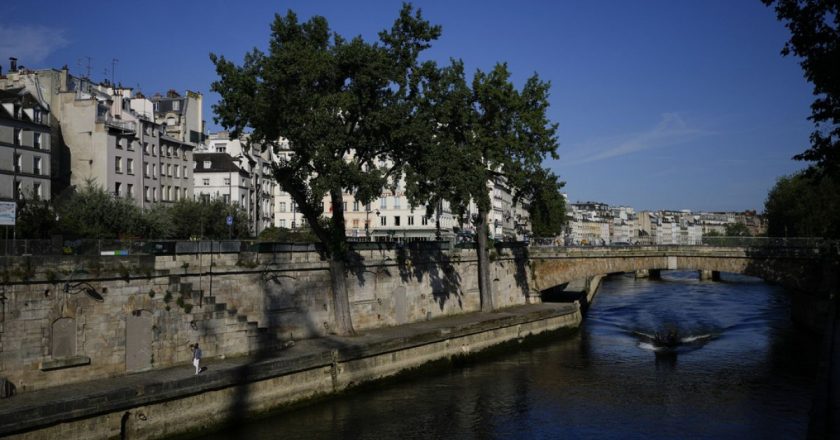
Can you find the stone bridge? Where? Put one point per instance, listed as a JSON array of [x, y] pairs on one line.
[[811, 272]]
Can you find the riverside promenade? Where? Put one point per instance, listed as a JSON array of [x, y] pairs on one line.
[[174, 400]]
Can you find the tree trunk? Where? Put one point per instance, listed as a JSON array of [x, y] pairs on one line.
[[484, 285], [341, 301], [338, 269]]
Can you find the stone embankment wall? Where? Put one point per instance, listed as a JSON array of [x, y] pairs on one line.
[[70, 319]]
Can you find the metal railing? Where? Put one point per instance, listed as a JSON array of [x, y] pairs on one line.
[[104, 247]]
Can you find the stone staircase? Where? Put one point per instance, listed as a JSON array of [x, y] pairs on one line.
[[222, 328]]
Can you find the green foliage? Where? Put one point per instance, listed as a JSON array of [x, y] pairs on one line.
[[92, 212], [478, 133], [329, 97], [804, 206], [36, 218], [167, 297], [815, 40], [547, 206], [284, 235], [192, 218], [737, 230], [712, 234]]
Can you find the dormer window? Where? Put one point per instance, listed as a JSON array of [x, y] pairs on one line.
[[207, 164]]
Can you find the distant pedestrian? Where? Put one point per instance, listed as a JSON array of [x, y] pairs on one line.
[[196, 357]]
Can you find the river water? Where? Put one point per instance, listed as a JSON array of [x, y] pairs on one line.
[[738, 368]]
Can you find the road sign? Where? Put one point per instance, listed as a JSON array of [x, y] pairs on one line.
[[229, 220], [7, 213]]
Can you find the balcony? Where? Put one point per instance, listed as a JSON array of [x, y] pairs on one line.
[[122, 126]]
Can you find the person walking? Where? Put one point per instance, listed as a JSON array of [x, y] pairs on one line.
[[196, 358]]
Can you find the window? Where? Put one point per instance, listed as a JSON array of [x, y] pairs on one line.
[[146, 148], [176, 105], [411, 220], [18, 136], [18, 162], [146, 169], [226, 198], [132, 145], [129, 165], [18, 189], [345, 206], [146, 193], [355, 206], [282, 206], [383, 203], [282, 223], [383, 221], [117, 188], [154, 170], [36, 115], [396, 202], [220, 148], [185, 171], [207, 164], [129, 191], [36, 140], [205, 182], [355, 223], [36, 188], [396, 220], [184, 193], [227, 180], [424, 221], [154, 195], [177, 171], [36, 165], [118, 165], [120, 143]]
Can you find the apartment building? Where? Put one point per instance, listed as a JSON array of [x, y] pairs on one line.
[[262, 190], [106, 140], [25, 147]]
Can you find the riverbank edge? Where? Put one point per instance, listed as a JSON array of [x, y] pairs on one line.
[[239, 390]]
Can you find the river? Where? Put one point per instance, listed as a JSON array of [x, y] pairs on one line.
[[740, 370]]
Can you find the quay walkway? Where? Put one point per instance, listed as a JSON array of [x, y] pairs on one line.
[[114, 406]]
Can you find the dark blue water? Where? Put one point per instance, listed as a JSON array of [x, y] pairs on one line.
[[740, 370]]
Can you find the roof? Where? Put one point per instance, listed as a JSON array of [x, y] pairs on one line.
[[219, 162]]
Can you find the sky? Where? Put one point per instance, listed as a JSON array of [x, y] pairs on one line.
[[660, 104]]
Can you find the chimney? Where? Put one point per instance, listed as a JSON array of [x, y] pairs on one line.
[[12, 64]]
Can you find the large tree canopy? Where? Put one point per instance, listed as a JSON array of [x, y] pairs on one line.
[[802, 206], [346, 108], [815, 38], [485, 132]]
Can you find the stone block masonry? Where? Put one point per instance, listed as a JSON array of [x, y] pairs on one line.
[[166, 402], [54, 331]]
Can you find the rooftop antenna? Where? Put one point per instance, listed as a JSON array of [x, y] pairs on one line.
[[84, 62], [114, 62]]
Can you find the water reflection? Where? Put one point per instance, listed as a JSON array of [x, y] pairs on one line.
[[740, 369]]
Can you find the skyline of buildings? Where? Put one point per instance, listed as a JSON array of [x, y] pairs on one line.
[[60, 130]]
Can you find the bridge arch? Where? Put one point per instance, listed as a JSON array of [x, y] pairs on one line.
[[795, 268]]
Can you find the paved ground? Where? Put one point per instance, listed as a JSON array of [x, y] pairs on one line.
[[35, 408]]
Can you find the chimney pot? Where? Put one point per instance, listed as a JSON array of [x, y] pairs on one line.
[[12, 64]]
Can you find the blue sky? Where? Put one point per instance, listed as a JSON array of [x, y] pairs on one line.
[[660, 104]]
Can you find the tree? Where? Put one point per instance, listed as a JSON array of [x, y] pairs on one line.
[[803, 206], [484, 134], [92, 212], [36, 218], [815, 38], [737, 230], [345, 107], [547, 206], [208, 219]]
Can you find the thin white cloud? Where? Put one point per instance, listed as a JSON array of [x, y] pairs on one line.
[[669, 131], [30, 44]]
